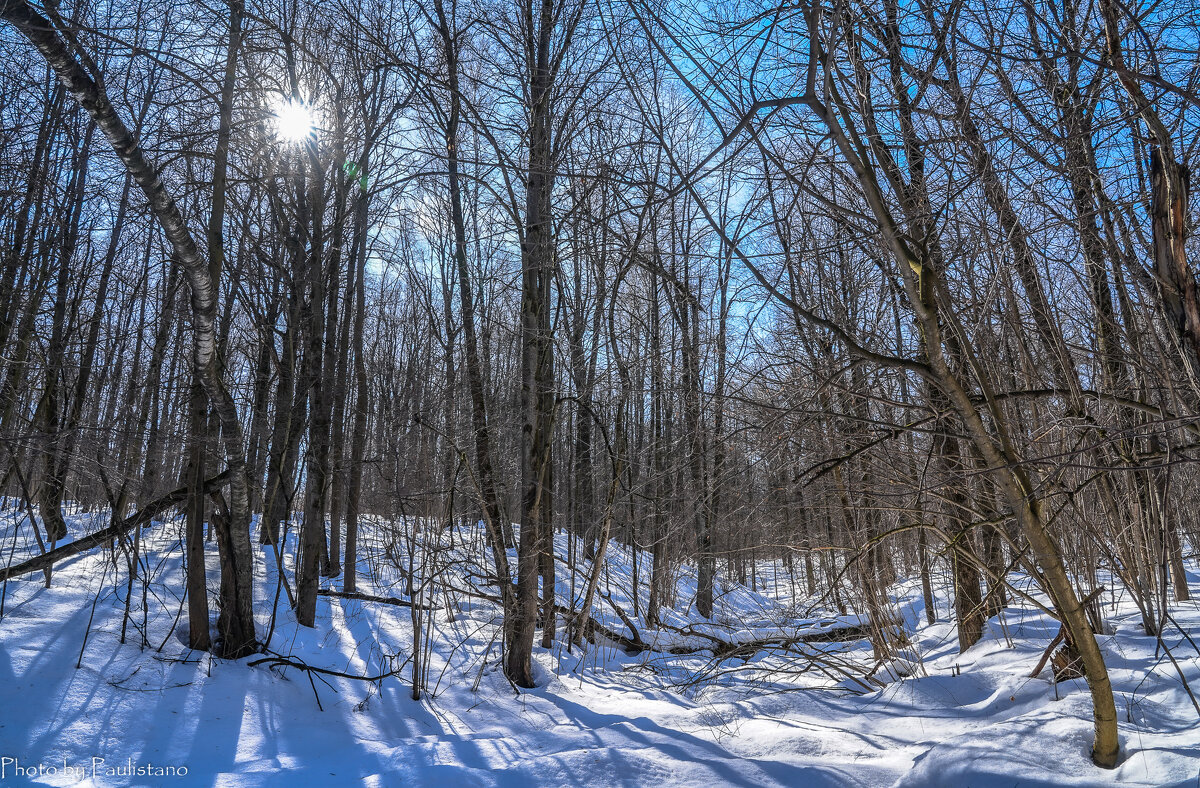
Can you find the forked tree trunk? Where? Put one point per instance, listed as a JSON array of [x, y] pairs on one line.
[[995, 447]]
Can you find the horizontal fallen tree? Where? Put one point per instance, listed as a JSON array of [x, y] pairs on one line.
[[143, 516], [726, 649], [383, 600], [719, 647]]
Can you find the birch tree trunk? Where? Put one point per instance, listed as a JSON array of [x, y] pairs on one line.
[[237, 616]]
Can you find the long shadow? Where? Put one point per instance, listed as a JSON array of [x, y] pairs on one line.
[[49, 672], [688, 748]]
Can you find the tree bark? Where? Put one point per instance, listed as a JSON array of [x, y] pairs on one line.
[[537, 368], [237, 619]]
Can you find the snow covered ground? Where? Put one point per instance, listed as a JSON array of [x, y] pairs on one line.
[[599, 717]]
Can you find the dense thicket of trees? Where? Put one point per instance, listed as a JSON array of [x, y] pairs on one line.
[[871, 289]]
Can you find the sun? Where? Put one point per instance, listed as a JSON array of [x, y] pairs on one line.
[[295, 121]]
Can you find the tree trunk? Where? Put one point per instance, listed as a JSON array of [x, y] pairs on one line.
[[237, 620], [537, 367], [496, 520]]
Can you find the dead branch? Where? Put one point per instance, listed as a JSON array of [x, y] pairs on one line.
[[144, 516], [384, 600]]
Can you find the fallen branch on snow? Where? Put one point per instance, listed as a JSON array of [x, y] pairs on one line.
[[143, 516], [384, 600]]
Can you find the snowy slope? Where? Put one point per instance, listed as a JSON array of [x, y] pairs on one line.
[[599, 717]]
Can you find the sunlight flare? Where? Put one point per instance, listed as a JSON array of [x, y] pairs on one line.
[[295, 121]]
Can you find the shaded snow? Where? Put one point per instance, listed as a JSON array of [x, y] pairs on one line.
[[599, 717]]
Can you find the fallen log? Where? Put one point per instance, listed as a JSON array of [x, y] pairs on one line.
[[726, 648], [720, 648], [384, 600], [632, 645], [835, 634], [143, 516]]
